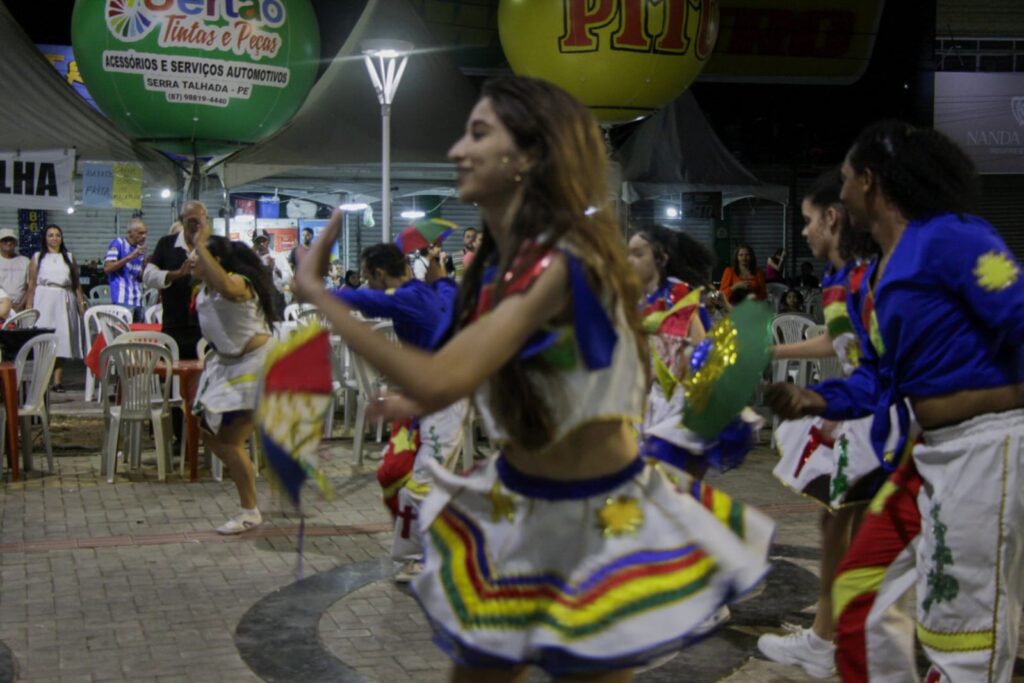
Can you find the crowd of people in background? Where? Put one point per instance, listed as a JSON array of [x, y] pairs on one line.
[[50, 281]]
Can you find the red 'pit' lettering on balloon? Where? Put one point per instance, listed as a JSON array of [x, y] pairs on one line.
[[579, 23]]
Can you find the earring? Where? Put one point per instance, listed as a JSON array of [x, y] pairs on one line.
[[518, 178], [504, 159]]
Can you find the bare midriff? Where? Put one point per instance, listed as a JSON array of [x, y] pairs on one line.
[[595, 449], [950, 409]]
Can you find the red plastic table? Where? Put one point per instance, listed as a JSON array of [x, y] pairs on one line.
[[9, 386], [189, 371]]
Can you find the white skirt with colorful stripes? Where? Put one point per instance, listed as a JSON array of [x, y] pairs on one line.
[[585, 575]]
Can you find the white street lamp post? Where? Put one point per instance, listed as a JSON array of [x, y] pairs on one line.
[[385, 62]]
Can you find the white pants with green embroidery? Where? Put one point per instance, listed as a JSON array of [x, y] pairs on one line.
[[441, 441], [970, 553]]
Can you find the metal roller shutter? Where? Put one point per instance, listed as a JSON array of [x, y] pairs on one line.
[[647, 212], [756, 222], [1002, 205]]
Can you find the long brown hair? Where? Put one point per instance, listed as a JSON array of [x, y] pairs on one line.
[[563, 201]]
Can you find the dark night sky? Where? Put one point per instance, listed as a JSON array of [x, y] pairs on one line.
[[761, 124]]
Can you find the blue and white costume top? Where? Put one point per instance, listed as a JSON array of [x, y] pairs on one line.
[[579, 575]]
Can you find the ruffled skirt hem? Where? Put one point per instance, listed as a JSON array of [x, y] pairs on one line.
[[581, 576]]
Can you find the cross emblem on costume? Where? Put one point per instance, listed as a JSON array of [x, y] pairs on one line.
[[408, 514]]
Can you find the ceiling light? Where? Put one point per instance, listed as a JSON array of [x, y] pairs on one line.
[[355, 206], [71, 210], [672, 212], [413, 215], [165, 193], [386, 49]]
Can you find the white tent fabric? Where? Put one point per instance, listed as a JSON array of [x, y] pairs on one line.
[[340, 123], [40, 111], [677, 151]]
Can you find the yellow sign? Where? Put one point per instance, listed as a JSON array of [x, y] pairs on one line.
[[127, 189], [622, 58]]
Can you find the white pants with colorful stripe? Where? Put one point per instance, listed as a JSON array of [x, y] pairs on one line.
[[970, 555], [440, 441], [967, 561]]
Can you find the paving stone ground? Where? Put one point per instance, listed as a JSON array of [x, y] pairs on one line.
[[128, 582]]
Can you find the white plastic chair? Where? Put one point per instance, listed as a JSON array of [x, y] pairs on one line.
[[369, 382], [92, 328], [309, 315], [112, 326], [149, 297], [166, 341], [155, 314], [812, 304], [100, 293], [291, 311], [22, 321], [786, 329], [130, 367], [44, 356], [160, 339], [826, 368], [776, 290]]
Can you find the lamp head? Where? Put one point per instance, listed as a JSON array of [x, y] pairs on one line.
[[386, 49]]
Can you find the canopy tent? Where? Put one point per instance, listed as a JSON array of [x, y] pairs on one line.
[[677, 151], [41, 112], [340, 125]]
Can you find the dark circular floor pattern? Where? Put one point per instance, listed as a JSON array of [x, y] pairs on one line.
[[279, 641], [7, 668]]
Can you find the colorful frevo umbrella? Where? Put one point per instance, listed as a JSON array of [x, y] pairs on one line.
[[424, 233], [295, 396]]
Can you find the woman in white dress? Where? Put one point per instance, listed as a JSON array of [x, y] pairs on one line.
[[55, 291]]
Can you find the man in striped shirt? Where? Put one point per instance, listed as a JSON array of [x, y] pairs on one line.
[[126, 257]]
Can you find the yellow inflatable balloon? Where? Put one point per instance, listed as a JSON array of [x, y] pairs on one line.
[[622, 58]]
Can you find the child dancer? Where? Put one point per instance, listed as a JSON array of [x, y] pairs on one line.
[[235, 307]]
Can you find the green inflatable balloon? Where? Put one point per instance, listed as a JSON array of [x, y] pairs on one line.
[[203, 76]]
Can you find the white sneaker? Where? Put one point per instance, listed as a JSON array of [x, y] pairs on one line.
[[408, 571], [241, 522], [800, 647], [721, 616]]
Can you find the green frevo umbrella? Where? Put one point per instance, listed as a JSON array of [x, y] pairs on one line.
[[726, 368]]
